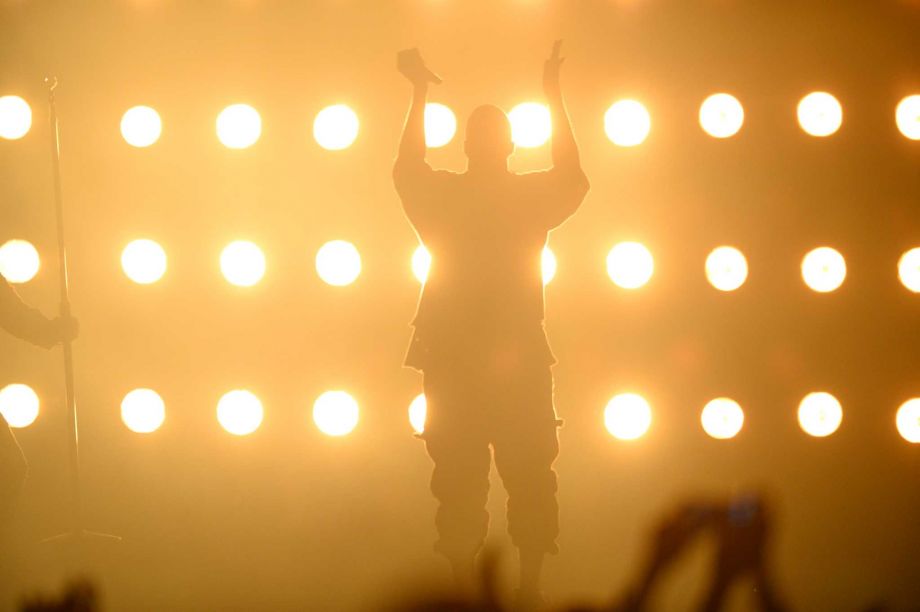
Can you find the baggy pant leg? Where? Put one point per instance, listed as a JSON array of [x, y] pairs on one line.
[[458, 444], [526, 446]]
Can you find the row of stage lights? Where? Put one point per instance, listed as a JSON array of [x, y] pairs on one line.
[[627, 416], [627, 123], [630, 265]]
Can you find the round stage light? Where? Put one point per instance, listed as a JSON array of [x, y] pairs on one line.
[[417, 411], [531, 124], [722, 418], [15, 117], [547, 265], [239, 412], [336, 127], [338, 263], [421, 263], [907, 116], [239, 126], [908, 420], [721, 115], [143, 411], [335, 413], [19, 261], [141, 126], [909, 269], [19, 405], [440, 125], [143, 261], [630, 265], [726, 268], [627, 123], [824, 269], [820, 414], [820, 114], [242, 263], [627, 416]]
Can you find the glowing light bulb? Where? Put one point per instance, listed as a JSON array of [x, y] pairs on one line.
[[531, 124], [820, 114], [143, 261], [338, 263], [820, 414], [143, 411], [242, 263], [824, 269], [421, 263], [19, 261], [19, 405], [726, 268], [239, 412], [141, 126], [627, 123], [630, 265], [239, 126], [907, 117], [335, 413], [417, 413], [15, 117], [722, 418], [336, 127], [440, 125], [721, 115], [627, 416]]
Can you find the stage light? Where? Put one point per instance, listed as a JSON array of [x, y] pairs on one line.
[[824, 269], [531, 124], [421, 263], [143, 261], [141, 126], [909, 269], [907, 116], [721, 115], [547, 265], [627, 123], [630, 265], [335, 127], [15, 117], [338, 263], [820, 114], [726, 268], [19, 261], [335, 413], [239, 126], [440, 125], [143, 411], [19, 405], [239, 412], [417, 412], [722, 418], [242, 263], [820, 414], [908, 420], [627, 416]]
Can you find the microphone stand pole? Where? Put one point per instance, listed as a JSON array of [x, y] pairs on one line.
[[76, 531]]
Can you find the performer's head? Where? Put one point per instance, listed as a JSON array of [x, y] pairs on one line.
[[488, 136]]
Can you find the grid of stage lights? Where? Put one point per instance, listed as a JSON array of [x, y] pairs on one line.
[[626, 417], [626, 122], [630, 265]]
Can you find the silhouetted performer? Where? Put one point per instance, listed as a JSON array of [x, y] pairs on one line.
[[28, 324], [479, 335]]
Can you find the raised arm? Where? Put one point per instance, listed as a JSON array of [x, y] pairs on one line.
[[29, 324], [565, 151], [412, 144]]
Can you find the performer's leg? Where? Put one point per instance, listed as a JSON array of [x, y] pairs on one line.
[[457, 442], [526, 446]]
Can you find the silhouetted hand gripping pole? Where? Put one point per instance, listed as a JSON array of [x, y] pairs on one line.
[[76, 531]]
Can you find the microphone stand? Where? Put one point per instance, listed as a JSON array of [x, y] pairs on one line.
[[76, 532]]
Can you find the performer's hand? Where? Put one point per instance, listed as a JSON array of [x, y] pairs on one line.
[[551, 69], [65, 328], [410, 64]]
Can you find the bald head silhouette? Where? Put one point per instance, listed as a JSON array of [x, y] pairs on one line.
[[488, 136]]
